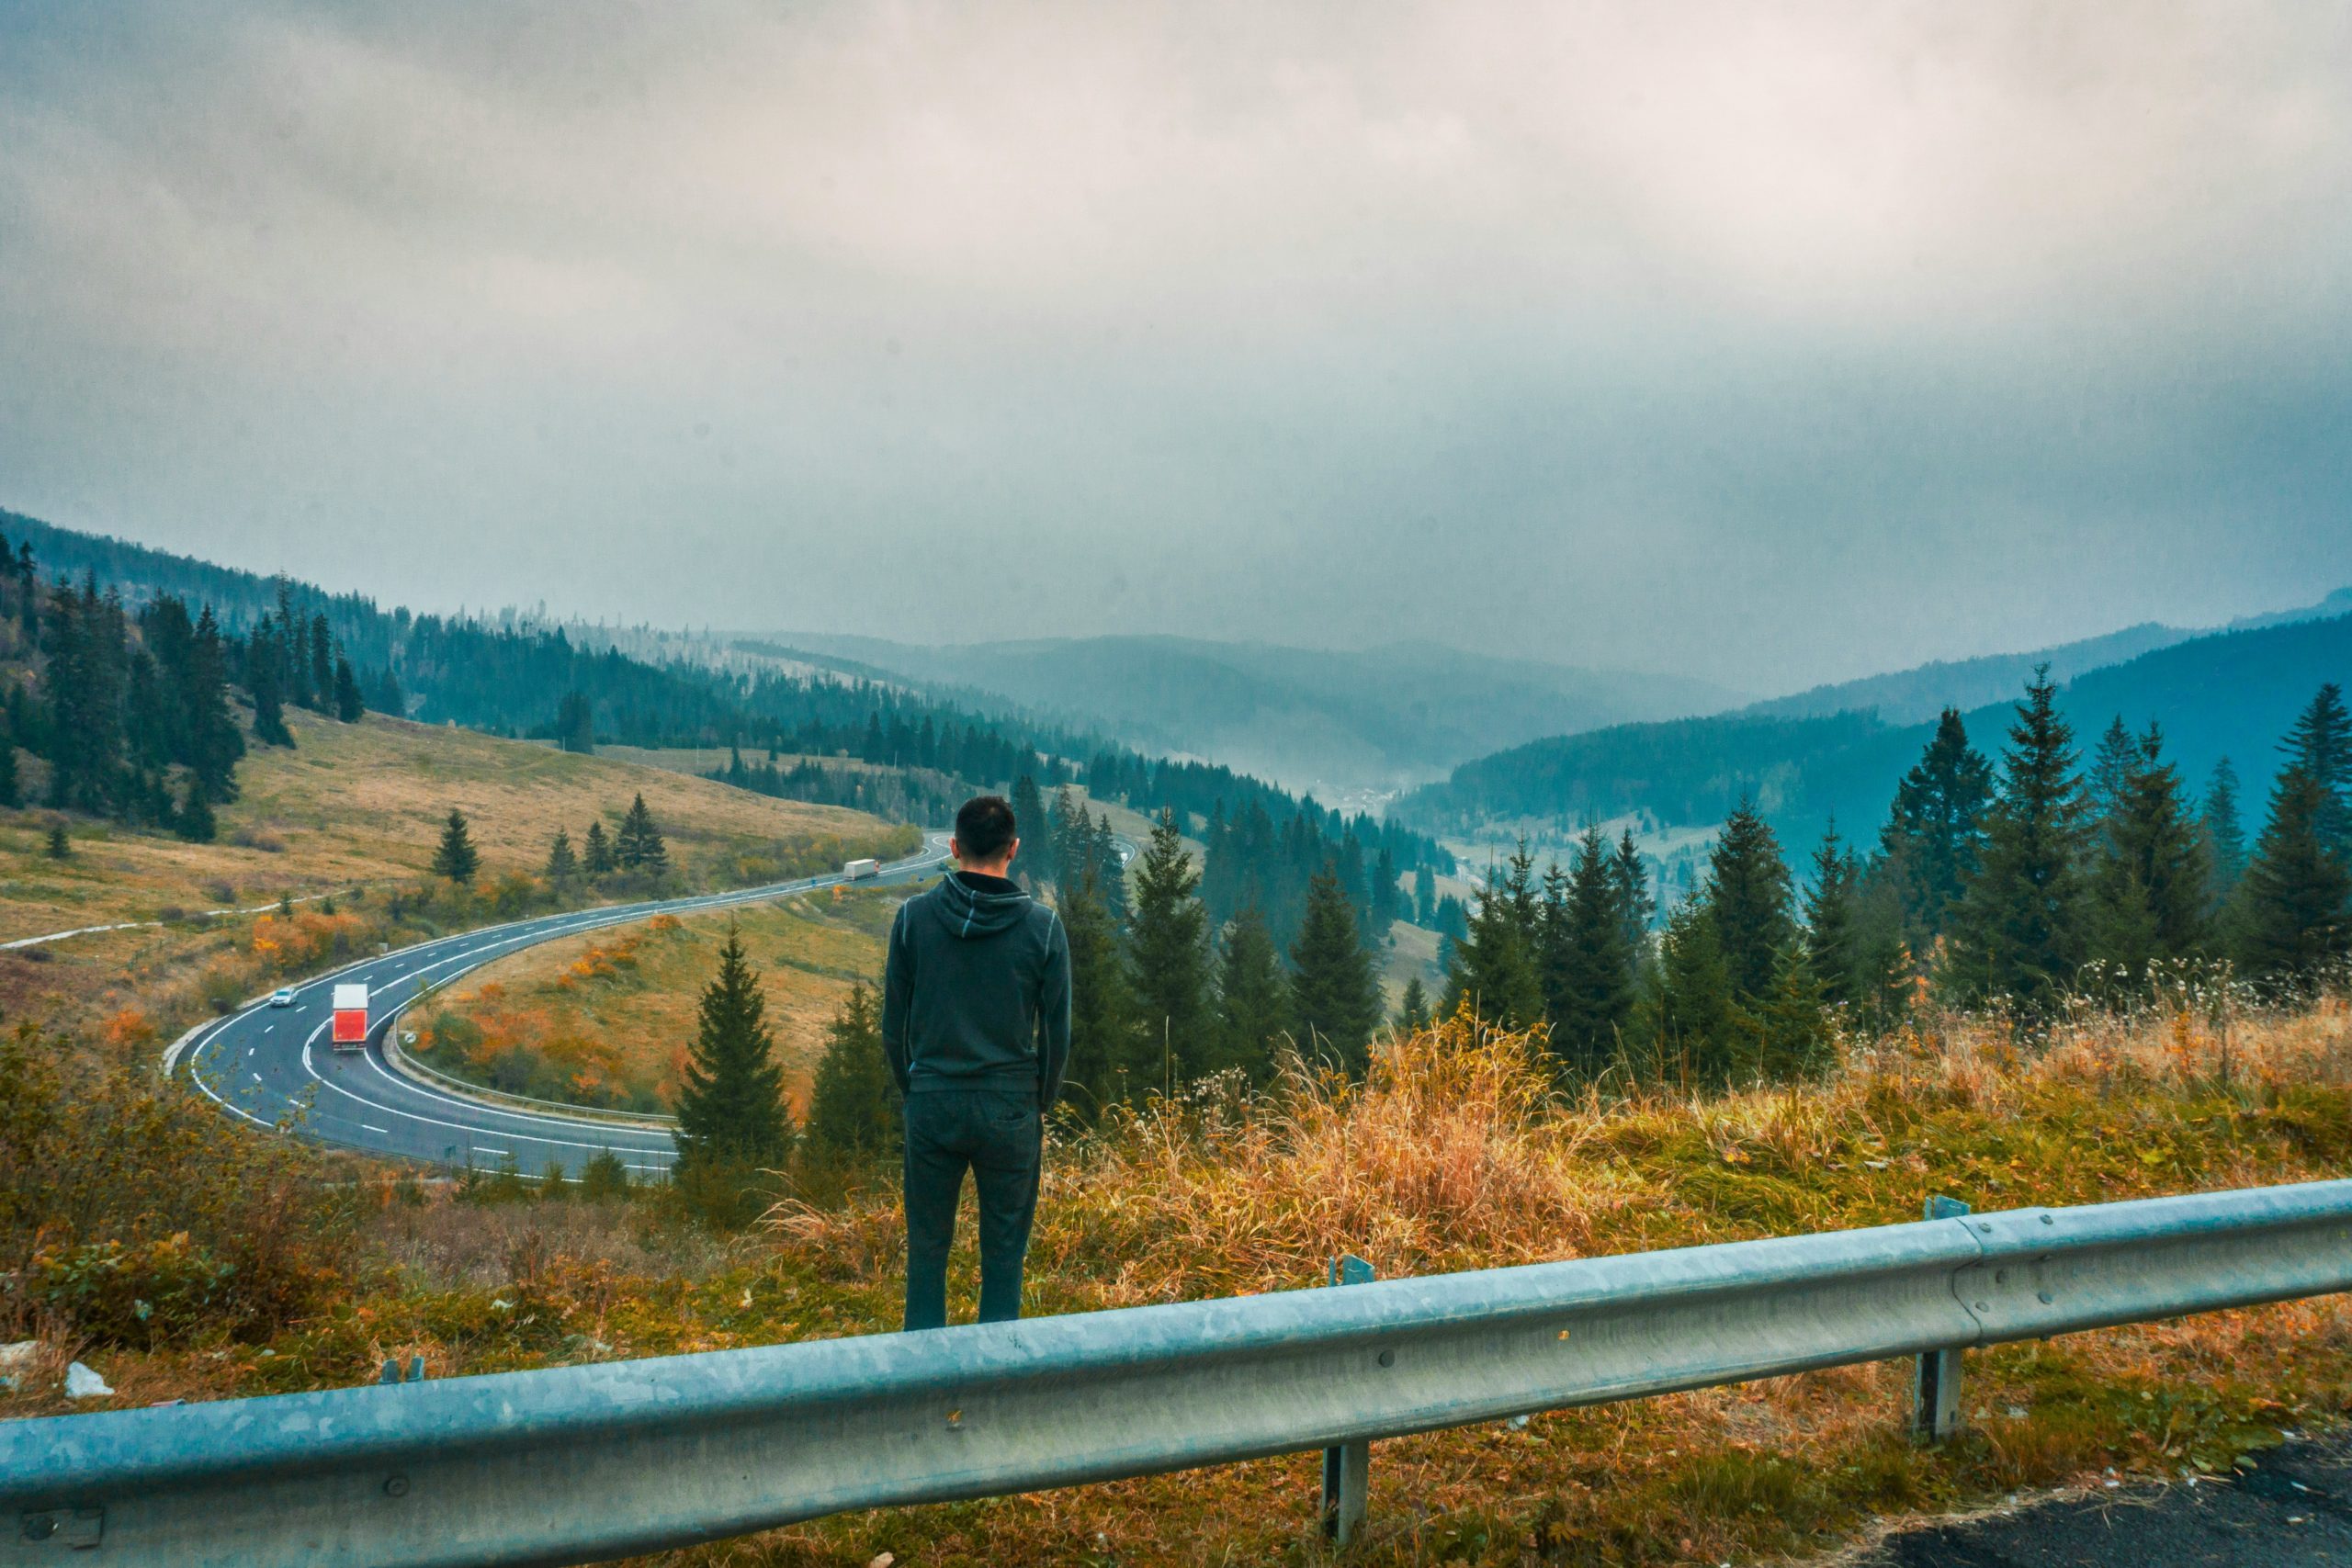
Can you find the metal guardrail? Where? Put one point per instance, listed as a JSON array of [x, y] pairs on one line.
[[583, 1463]]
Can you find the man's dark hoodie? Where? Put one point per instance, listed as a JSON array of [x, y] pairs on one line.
[[977, 994]]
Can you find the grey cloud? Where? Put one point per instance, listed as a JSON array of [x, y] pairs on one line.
[[1770, 343]]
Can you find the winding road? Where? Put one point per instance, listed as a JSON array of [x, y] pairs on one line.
[[274, 1066]]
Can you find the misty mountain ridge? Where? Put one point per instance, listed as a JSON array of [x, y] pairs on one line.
[[1921, 693], [1325, 719], [2228, 694]]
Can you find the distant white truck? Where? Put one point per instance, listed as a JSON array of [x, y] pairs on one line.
[[859, 870], [350, 1017]]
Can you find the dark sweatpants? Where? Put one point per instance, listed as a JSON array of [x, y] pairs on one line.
[[998, 1136]]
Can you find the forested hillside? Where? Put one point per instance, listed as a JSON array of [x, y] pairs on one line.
[[2228, 695], [280, 641], [1916, 695]]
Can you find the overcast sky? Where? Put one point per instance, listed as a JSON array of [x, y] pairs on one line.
[[1770, 345]]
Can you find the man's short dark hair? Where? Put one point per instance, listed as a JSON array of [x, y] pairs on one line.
[[984, 825]]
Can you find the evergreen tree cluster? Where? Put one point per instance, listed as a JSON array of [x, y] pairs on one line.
[[2013, 882], [1565, 950], [636, 848], [132, 713]]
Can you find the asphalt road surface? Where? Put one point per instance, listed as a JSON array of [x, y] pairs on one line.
[[274, 1066], [2292, 1510]]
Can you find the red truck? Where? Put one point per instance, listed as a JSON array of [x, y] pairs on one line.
[[350, 1017]]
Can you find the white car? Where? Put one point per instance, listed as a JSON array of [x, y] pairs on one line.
[[282, 997]]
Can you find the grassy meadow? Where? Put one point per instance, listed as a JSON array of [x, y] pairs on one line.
[[1456, 1154], [352, 807], [604, 1019]]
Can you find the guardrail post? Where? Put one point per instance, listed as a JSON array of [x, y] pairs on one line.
[[1347, 1468], [1935, 1390]]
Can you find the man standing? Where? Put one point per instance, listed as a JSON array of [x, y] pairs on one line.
[[976, 1024]]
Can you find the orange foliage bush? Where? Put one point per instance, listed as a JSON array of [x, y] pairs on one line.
[[305, 940]]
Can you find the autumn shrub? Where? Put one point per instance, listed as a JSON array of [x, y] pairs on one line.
[[522, 1050], [1458, 1151], [136, 1214]]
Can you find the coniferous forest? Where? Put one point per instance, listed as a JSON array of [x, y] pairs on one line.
[[2050, 874]]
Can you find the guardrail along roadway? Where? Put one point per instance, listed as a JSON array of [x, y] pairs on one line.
[[577, 1464]]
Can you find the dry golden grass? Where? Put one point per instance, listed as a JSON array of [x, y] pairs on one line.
[[1456, 1156], [620, 1005], [1457, 1153], [360, 802]]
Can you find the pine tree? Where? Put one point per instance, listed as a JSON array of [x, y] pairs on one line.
[[1831, 944], [853, 1104], [1254, 1000], [1935, 833], [604, 1176], [87, 680], [1494, 964], [2112, 762], [266, 682], [1168, 950], [1424, 896], [1334, 998], [60, 844], [1636, 906], [638, 846], [1791, 1031], [214, 744], [2294, 917], [2321, 745], [1386, 897], [289, 649], [387, 697], [2149, 884], [347, 705], [1068, 838], [322, 652], [12, 791], [457, 857], [1413, 1007], [1592, 992], [575, 723], [1106, 1057], [1746, 897], [2223, 830], [1030, 826], [1687, 1021], [598, 849], [1110, 872], [563, 865], [2022, 918], [194, 821], [732, 1115]]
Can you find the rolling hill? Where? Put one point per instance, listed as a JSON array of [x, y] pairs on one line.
[[1919, 693], [2229, 694]]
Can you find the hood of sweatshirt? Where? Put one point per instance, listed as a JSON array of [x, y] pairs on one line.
[[971, 905]]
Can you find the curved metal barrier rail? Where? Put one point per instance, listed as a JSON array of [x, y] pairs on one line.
[[582, 1463]]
